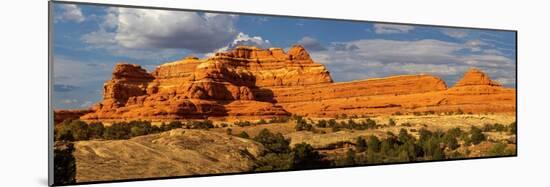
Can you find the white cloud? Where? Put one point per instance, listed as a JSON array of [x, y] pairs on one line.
[[162, 29], [362, 59], [311, 44], [68, 71], [70, 12], [69, 101], [244, 39], [380, 28], [455, 33], [86, 104]]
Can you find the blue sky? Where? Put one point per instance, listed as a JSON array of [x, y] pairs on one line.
[[88, 40]]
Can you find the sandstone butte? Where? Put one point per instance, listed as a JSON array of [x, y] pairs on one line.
[[252, 83]]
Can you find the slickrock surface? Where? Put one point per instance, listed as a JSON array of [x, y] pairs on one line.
[[178, 152]]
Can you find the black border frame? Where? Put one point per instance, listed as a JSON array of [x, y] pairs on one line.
[[50, 90]]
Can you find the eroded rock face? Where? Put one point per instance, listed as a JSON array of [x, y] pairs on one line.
[[248, 82], [475, 77]]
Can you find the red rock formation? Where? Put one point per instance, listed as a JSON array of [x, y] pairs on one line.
[[475, 77], [249, 82], [62, 115]]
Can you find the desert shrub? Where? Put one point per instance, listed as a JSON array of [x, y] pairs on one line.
[[450, 141], [73, 130], [274, 162], [64, 164], [117, 131], [360, 144], [404, 136], [512, 127], [281, 119], [370, 123], [349, 158], [140, 128], [417, 113], [243, 134], [500, 149], [224, 125], [170, 126], [206, 124], [459, 112], [497, 127], [242, 123], [455, 132], [397, 113], [332, 123], [305, 157], [476, 135], [261, 122], [275, 143], [76, 130], [321, 123], [95, 130], [391, 122], [229, 131], [373, 144], [302, 125]]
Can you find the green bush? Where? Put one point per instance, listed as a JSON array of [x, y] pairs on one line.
[[274, 162], [275, 143], [302, 125], [261, 122], [404, 136], [513, 127], [117, 131], [242, 123], [450, 141], [64, 163], [373, 144], [322, 123], [500, 149], [95, 130], [391, 122], [360, 144], [206, 124], [305, 157], [476, 135], [243, 135]]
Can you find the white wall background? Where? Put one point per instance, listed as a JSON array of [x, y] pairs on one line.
[[23, 99]]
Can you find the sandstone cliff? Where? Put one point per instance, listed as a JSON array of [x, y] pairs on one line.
[[248, 82]]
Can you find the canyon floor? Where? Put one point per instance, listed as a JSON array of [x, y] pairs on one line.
[[185, 152]]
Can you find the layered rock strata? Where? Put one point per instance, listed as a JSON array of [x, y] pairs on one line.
[[248, 82]]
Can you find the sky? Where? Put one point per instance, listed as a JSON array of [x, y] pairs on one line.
[[88, 40]]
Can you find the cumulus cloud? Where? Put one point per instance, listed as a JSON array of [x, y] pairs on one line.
[[64, 88], [380, 28], [69, 71], [244, 39], [455, 33], [162, 29], [69, 101], [362, 59], [69, 12], [311, 44]]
